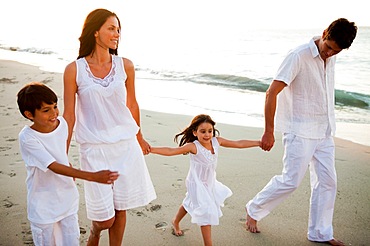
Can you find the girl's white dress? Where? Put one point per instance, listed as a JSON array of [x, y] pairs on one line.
[[205, 195]]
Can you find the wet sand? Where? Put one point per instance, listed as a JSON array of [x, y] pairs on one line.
[[245, 172]]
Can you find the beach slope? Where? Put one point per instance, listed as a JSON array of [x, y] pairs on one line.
[[244, 171]]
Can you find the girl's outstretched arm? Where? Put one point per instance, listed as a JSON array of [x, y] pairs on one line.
[[241, 144], [169, 151]]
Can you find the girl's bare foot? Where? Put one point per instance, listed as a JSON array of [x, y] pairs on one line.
[[176, 229], [251, 224]]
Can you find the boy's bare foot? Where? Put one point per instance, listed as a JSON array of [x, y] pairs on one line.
[[336, 242], [176, 230], [251, 224]]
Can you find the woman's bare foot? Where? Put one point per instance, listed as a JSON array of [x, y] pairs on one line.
[[336, 242], [251, 224], [176, 229], [93, 238]]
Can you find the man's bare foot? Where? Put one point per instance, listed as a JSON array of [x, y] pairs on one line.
[[176, 229], [251, 224], [335, 242], [331, 242]]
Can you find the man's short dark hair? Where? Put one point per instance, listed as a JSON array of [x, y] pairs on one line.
[[342, 32]]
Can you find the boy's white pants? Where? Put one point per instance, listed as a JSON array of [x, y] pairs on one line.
[[301, 153], [61, 233]]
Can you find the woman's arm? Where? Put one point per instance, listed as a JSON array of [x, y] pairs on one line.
[[104, 176], [70, 90], [169, 151], [132, 103]]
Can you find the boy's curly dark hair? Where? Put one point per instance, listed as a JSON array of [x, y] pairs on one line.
[[32, 95]]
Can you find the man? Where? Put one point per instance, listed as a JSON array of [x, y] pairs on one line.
[[305, 116]]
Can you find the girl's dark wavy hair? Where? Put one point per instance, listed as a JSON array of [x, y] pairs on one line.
[[93, 23], [187, 134]]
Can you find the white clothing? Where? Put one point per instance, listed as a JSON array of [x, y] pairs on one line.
[[305, 116], [301, 153], [306, 106], [205, 195], [132, 189], [106, 131], [102, 114], [50, 197], [61, 233]]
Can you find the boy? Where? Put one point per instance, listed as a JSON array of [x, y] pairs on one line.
[[52, 199]]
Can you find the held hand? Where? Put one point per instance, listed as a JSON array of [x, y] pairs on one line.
[[144, 145], [105, 176], [267, 141]]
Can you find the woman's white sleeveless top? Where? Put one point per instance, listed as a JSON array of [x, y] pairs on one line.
[[101, 114]]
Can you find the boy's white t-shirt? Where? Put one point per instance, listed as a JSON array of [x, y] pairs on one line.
[[50, 196]]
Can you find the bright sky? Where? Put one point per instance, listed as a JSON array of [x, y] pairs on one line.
[[64, 19], [263, 12]]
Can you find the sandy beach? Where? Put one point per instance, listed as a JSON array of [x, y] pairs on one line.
[[245, 172]]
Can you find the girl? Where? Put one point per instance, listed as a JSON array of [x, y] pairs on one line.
[[205, 195], [107, 126]]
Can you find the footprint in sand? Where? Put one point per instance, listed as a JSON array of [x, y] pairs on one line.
[[8, 204], [5, 148], [137, 213], [164, 226], [26, 234], [11, 140], [155, 207], [82, 231], [179, 183], [161, 225], [11, 174], [152, 208], [47, 80], [7, 81]]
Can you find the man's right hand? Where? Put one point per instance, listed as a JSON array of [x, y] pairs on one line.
[[267, 141]]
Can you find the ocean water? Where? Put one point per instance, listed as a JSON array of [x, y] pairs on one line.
[[224, 74]]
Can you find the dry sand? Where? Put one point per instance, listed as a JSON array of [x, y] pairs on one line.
[[244, 171]]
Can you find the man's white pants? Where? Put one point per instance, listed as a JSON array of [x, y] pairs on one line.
[[299, 154]]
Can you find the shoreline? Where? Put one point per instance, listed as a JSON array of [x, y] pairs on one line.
[[152, 98], [245, 172]]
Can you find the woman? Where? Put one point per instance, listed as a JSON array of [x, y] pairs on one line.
[[107, 126]]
